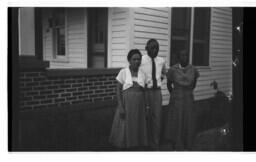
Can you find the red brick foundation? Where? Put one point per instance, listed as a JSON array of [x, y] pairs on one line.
[[39, 90]]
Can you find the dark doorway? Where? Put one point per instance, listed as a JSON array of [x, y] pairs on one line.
[[97, 37]]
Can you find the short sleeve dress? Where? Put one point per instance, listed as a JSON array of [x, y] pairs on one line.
[[131, 131], [180, 125]]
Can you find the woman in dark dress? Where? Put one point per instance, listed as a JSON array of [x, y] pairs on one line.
[[181, 81], [129, 124]]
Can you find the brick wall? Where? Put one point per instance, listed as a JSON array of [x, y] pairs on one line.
[[38, 90]]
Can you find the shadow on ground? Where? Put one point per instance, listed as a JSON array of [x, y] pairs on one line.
[[88, 130]]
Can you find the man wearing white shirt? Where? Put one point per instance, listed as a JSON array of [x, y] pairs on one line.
[[155, 69]]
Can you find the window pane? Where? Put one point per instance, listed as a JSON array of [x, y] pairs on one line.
[[202, 54], [201, 23], [181, 21], [59, 31], [180, 35], [61, 41], [201, 36]]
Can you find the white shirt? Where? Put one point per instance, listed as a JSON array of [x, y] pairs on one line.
[[126, 79], [146, 67]]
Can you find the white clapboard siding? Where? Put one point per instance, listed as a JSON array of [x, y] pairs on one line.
[[119, 64], [119, 58], [76, 41], [143, 40], [119, 36], [153, 23], [118, 52], [220, 55], [163, 12]]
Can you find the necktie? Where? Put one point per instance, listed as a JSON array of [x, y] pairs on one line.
[[154, 73]]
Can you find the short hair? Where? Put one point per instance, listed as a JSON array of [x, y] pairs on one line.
[[151, 40], [132, 52], [183, 51]]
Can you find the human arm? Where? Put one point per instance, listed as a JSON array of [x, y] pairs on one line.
[[144, 78], [119, 92], [197, 74], [169, 85], [194, 83], [169, 76], [164, 70], [119, 95]]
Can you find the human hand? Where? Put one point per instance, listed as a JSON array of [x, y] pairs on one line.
[[122, 115], [122, 112]]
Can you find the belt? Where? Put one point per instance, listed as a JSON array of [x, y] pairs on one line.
[[157, 88]]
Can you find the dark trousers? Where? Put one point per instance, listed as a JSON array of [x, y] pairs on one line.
[[154, 97]]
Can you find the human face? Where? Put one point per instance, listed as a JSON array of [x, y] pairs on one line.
[[183, 59], [152, 49], [135, 61]]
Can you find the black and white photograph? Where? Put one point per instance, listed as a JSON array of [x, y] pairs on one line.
[[125, 79]]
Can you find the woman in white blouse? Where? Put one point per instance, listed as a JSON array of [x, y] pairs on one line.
[[129, 124]]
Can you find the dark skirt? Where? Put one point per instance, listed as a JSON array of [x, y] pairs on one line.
[[180, 124], [131, 131]]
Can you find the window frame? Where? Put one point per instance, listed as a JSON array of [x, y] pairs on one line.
[[55, 56]]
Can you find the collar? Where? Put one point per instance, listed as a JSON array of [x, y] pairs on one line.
[[149, 58], [180, 67], [129, 76]]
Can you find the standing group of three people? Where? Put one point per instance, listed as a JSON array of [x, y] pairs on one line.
[[137, 121]]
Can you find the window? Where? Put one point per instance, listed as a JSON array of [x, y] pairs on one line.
[[201, 37], [191, 31], [180, 36], [59, 33], [97, 37]]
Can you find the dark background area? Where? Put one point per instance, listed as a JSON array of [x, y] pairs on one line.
[[248, 82]]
